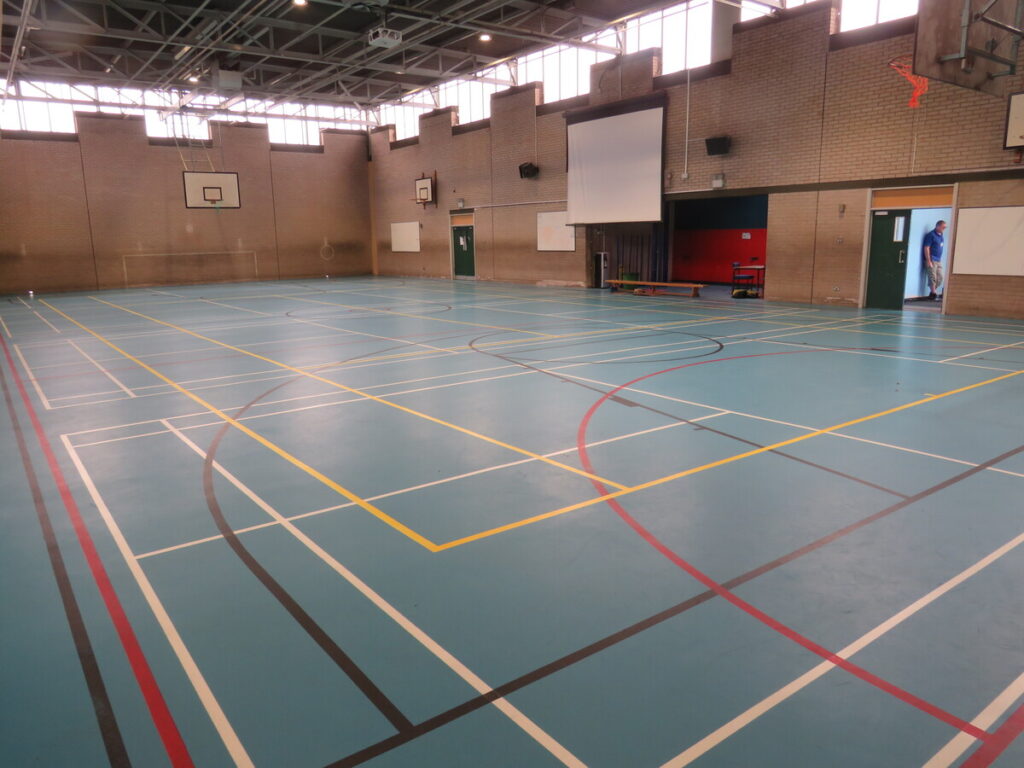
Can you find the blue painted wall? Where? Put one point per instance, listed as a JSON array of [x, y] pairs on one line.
[[922, 221]]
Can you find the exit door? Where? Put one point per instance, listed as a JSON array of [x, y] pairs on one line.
[[462, 247], [887, 259]]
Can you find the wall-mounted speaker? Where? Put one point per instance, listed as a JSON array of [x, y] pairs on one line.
[[528, 171], [718, 145]]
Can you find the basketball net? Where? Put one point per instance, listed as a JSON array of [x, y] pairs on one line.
[[905, 66]]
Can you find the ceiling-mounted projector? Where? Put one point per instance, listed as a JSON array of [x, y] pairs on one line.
[[382, 37]]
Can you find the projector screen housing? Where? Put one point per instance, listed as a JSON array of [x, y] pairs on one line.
[[615, 160]]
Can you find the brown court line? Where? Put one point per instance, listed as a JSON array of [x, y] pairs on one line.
[[502, 691]]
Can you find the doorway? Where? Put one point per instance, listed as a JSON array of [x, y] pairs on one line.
[[463, 258], [887, 258], [900, 218]]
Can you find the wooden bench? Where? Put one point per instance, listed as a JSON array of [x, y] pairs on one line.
[[649, 288]]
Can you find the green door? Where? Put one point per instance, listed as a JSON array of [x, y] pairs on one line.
[[887, 259], [462, 244]]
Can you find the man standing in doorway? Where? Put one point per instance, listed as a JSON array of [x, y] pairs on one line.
[[932, 251]]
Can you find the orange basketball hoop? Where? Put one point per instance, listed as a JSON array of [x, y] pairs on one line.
[[905, 66]]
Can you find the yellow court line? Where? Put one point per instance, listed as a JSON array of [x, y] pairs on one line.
[[417, 317], [718, 463], [361, 393], [625, 328], [398, 526]]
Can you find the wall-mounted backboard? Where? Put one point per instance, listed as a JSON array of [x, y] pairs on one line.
[[424, 190], [553, 234], [1015, 122], [970, 43], [205, 189], [405, 237]]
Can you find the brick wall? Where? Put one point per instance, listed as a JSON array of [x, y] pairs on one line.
[[481, 166], [77, 214], [986, 294]]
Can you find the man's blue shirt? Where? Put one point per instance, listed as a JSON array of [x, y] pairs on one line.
[[933, 241]]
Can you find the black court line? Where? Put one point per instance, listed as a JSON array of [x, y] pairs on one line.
[[458, 711], [699, 425], [110, 732], [317, 633]]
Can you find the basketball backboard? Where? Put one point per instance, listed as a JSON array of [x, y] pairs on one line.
[[971, 43]]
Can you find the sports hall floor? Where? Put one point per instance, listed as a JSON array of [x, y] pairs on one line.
[[424, 523]]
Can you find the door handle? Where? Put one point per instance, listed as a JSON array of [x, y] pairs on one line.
[[902, 256]]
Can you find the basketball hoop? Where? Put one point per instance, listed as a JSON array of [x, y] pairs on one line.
[[905, 66]]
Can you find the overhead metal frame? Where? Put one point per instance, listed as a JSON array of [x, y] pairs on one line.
[[971, 19], [315, 54]]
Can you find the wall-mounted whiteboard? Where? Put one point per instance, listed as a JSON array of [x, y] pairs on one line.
[[989, 241], [553, 234], [615, 168], [405, 237], [1015, 122]]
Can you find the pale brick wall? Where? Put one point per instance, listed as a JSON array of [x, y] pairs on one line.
[[986, 294]]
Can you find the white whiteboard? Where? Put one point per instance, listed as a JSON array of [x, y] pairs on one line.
[[615, 168], [204, 189], [1015, 122], [990, 241], [405, 237], [553, 234]]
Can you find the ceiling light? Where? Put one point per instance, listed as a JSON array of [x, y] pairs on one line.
[[299, 2], [193, 78], [485, 37]]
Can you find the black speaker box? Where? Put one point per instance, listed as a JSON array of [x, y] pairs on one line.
[[718, 145], [528, 171]]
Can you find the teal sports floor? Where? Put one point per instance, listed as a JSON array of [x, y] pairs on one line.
[[424, 523]]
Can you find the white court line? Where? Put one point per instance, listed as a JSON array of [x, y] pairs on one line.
[[981, 352], [421, 486], [52, 326], [984, 719], [6, 329], [31, 377], [744, 719], [506, 708], [682, 346], [195, 676], [804, 427], [331, 327], [893, 356], [102, 370]]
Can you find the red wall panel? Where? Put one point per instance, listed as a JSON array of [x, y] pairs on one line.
[[706, 255]]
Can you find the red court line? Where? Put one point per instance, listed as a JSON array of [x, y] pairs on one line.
[[1004, 736], [725, 593], [173, 743]]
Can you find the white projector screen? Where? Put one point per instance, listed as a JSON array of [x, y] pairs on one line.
[[988, 241], [615, 168]]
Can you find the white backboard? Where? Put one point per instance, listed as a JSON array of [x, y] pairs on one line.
[[205, 189], [553, 234], [405, 237]]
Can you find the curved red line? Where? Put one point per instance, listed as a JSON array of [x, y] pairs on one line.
[[171, 737], [725, 593]]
